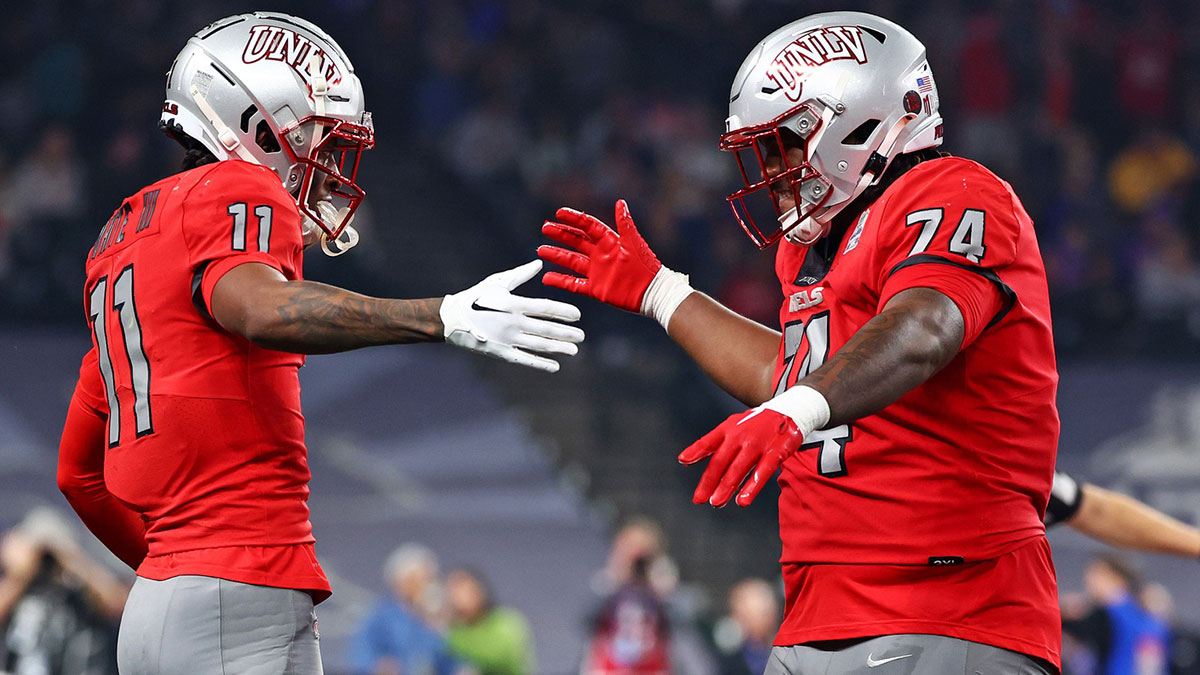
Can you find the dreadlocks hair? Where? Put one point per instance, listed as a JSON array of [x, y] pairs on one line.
[[195, 154]]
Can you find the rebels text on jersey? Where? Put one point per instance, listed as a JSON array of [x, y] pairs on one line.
[[205, 435], [958, 470]]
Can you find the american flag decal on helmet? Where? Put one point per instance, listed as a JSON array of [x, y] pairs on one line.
[[924, 84]]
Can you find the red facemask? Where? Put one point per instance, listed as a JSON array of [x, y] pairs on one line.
[[753, 146]]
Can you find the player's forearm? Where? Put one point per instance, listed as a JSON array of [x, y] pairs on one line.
[[1124, 522], [117, 527], [80, 478], [313, 318], [737, 353], [916, 335]]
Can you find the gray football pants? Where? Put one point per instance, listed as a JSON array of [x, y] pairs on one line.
[[904, 655], [193, 625]]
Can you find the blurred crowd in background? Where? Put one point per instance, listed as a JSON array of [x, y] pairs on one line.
[[1090, 109], [59, 611]]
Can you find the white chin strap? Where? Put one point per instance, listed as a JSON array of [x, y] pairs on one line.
[[332, 218], [225, 136], [316, 81], [806, 233]]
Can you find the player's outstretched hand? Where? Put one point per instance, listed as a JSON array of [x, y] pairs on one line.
[[612, 266], [749, 446], [487, 318]]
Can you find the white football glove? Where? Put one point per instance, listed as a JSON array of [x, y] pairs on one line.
[[487, 318]]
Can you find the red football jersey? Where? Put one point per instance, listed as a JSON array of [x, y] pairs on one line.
[[205, 434], [958, 470]]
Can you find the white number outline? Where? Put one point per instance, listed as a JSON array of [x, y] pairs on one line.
[[264, 213], [931, 219], [967, 240], [131, 336]]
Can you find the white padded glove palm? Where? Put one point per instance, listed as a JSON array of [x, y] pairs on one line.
[[487, 318]]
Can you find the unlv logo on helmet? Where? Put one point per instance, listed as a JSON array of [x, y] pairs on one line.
[[814, 48], [276, 43]]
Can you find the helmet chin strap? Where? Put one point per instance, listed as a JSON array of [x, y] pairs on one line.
[[225, 136], [806, 233], [316, 81], [333, 219]]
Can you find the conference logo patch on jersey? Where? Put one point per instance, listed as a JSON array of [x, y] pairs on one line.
[[858, 230], [815, 48], [276, 43]]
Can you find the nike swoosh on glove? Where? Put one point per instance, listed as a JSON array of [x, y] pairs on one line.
[[748, 446], [487, 318]]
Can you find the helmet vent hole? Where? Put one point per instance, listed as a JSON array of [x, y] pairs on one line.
[[264, 138], [246, 115], [862, 133], [878, 35]]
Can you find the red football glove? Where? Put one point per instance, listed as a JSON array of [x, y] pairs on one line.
[[749, 444], [615, 267]]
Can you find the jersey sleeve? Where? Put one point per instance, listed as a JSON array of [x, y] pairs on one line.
[[80, 472], [239, 213], [954, 229], [1065, 499], [89, 390]]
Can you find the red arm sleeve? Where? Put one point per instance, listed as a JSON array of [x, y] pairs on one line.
[[81, 470]]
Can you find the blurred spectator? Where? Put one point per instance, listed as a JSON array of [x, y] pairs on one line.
[[632, 631], [639, 542], [645, 623], [48, 185], [1122, 635], [1167, 282], [1148, 52], [745, 636], [58, 609], [396, 637], [1155, 165], [988, 96], [494, 640]]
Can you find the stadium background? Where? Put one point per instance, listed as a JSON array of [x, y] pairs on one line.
[[489, 114]]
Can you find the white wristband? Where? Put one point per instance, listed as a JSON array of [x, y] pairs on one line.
[[666, 291], [805, 405]]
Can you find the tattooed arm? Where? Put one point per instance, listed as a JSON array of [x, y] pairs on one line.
[[256, 301], [919, 331]]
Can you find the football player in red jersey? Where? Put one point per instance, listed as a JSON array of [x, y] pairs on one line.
[[909, 400], [183, 449]]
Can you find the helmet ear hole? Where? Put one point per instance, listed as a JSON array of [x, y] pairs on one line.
[[861, 133], [264, 138]]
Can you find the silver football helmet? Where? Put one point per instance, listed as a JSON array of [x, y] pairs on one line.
[[276, 90], [853, 91]]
